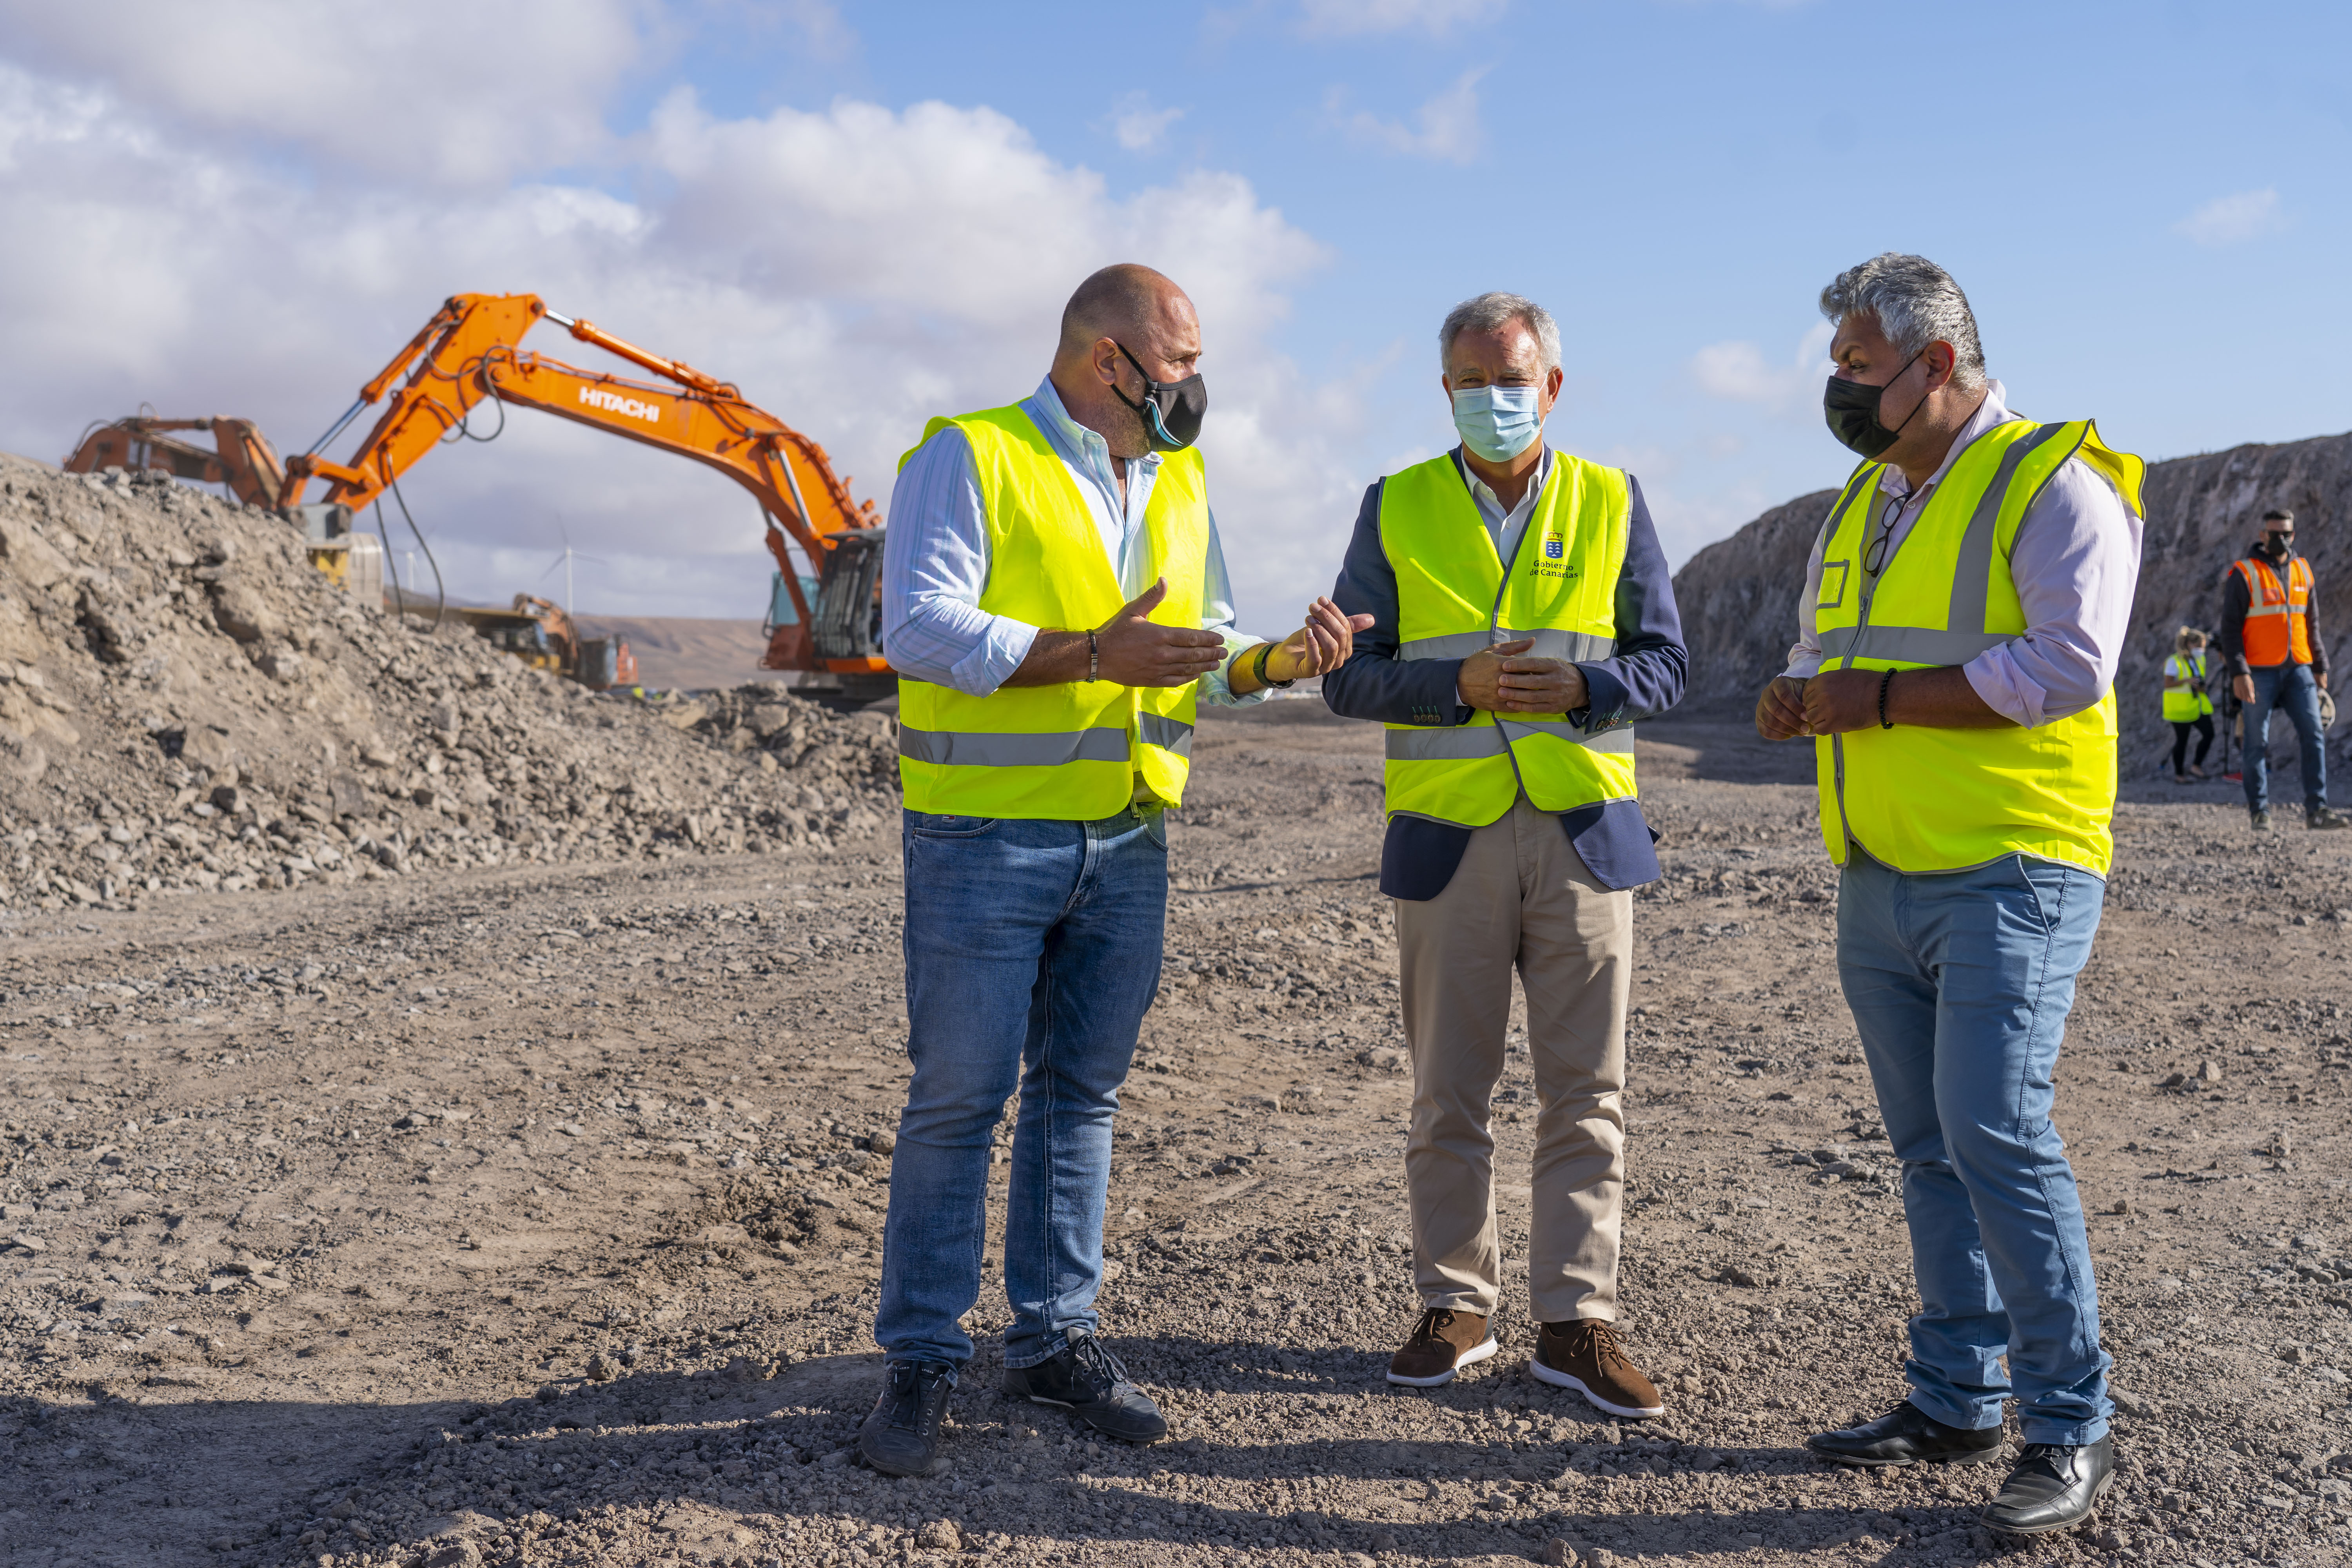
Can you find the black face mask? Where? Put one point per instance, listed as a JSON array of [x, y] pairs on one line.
[[1171, 410], [2278, 546], [1851, 408]]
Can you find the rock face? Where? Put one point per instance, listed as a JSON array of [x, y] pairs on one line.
[[1738, 597], [1739, 602], [186, 705]]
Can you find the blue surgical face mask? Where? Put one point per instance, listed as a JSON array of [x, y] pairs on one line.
[[1498, 423]]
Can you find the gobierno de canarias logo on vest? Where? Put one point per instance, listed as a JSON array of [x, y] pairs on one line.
[[1549, 560]]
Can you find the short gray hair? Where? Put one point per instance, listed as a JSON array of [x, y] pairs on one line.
[[1491, 312], [1914, 303]]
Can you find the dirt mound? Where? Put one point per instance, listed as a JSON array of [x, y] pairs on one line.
[[1738, 596], [186, 704]]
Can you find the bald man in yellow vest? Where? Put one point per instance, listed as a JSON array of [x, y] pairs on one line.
[[1055, 602]]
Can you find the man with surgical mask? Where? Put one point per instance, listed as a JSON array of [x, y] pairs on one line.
[[1521, 619], [2278, 663]]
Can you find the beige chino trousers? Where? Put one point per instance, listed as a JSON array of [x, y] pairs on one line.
[[1521, 899]]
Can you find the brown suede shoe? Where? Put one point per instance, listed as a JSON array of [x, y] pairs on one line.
[[1587, 1357], [1442, 1343]]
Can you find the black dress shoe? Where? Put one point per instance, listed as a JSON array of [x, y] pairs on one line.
[[2054, 1486], [901, 1436], [1087, 1381], [1907, 1435]]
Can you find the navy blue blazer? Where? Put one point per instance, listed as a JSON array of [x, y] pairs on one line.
[[1642, 679]]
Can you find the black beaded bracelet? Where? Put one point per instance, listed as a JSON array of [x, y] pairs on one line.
[[1883, 682], [1093, 657]]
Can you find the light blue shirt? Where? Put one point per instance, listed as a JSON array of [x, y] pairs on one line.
[[1506, 524], [935, 559]]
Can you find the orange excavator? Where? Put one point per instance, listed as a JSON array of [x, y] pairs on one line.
[[468, 353], [243, 460]]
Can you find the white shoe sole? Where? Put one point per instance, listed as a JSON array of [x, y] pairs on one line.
[[1470, 1357], [1558, 1379]]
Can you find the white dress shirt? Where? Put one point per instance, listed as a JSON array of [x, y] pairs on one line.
[[2075, 562], [935, 559]]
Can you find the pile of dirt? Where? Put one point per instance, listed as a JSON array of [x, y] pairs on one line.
[[186, 704], [1738, 596]]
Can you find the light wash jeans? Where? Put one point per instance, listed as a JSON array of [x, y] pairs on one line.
[[1960, 985], [2292, 691], [1033, 949]]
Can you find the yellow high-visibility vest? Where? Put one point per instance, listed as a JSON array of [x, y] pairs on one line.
[[1076, 750], [2186, 704], [1924, 799], [1455, 595]]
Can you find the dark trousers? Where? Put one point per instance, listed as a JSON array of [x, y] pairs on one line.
[[2203, 725]]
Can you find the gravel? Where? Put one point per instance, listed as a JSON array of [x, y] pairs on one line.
[[187, 707]]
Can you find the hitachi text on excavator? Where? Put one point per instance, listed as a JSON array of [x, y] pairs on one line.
[[469, 353]]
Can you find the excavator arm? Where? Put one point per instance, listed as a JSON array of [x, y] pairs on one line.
[[243, 460], [469, 352]]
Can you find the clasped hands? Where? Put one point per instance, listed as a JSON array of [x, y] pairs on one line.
[[1830, 703], [1506, 679]]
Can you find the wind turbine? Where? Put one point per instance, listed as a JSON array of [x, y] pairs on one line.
[[570, 606]]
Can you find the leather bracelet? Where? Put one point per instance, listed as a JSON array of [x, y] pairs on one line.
[[1883, 682], [1093, 657], [1258, 667]]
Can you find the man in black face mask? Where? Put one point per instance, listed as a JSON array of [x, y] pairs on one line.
[[1964, 605], [2278, 661]]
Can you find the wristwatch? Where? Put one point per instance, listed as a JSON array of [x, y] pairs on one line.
[[1258, 667]]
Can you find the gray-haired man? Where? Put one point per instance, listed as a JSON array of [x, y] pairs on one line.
[[1965, 605], [1522, 618]]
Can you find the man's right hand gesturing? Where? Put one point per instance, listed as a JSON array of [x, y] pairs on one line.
[[1132, 648]]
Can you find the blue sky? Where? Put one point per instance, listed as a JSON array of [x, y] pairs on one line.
[[864, 214]]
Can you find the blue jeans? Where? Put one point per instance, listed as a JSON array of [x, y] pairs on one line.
[[1960, 985], [1032, 949], [2290, 688]]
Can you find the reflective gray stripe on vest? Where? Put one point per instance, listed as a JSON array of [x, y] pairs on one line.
[[1972, 568], [1549, 643], [1909, 644], [981, 749], [1168, 734], [1618, 741], [1470, 743]]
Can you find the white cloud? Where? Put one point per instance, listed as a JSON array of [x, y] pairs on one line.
[[1444, 128], [452, 91], [1141, 128], [1736, 371], [855, 270], [2232, 220], [1348, 18]]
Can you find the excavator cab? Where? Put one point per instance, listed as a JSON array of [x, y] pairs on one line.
[[848, 613]]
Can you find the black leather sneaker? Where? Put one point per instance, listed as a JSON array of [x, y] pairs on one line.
[[2325, 816], [901, 1437], [1907, 1435], [1087, 1381], [2054, 1486]]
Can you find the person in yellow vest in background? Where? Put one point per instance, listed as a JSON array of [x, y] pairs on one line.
[[2278, 662], [1965, 606], [2187, 704], [1055, 602], [1522, 618]]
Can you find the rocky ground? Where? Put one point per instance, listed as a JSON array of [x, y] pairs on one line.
[[186, 704], [528, 1213]]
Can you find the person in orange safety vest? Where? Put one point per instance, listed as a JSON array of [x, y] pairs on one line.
[[2270, 636]]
